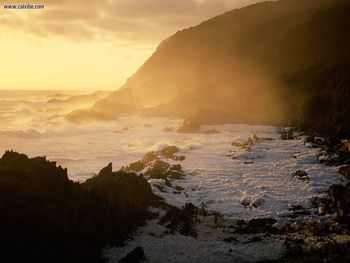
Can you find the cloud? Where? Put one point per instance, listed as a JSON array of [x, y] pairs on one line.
[[129, 20]]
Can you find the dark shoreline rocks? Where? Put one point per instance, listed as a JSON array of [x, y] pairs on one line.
[[45, 217]]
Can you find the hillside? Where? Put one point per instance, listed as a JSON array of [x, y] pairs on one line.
[[270, 63]]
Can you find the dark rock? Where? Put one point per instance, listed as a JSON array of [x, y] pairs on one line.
[[163, 170], [45, 217], [295, 208], [302, 175], [135, 256], [286, 134], [230, 239], [256, 225], [181, 220], [309, 139], [175, 175], [149, 157], [253, 240], [160, 187], [179, 188], [176, 167], [106, 170], [340, 196], [345, 171], [135, 167], [169, 151], [159, 170]]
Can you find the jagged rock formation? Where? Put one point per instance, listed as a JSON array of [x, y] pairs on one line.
[[45, 217]]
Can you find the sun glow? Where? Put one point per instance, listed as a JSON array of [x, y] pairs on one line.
[[56, 64]]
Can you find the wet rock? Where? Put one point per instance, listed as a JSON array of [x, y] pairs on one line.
[[175, 172], [181, 220], [230, 239], [345, 171], [159, 170], [252, 203], [149, 157], [160, 187], [134, 167], [297, 210], [340, 196], [256, 225], [179, 188], [135, 256], [302, 175], [323, 205], [176, 167], [169, 151], [253, 240], [176, 175], [286, 133]]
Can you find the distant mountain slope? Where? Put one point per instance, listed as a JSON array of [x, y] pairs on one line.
[[249, 65]]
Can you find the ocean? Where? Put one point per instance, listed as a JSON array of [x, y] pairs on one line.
[[30, 124]]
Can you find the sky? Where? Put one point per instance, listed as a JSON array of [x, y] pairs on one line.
[[90, 44]]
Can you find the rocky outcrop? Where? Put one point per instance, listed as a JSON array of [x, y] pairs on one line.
[[181, 220], [135, 256], [345, 171], [45, 217]]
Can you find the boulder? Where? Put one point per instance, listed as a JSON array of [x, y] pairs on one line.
[[135, 256], [340, 196], [169, 151], [135, 167], [149, 157], [345, 171], [302, 175], [159, 170]]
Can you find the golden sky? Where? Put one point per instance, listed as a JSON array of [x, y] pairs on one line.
[[90, 44]]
